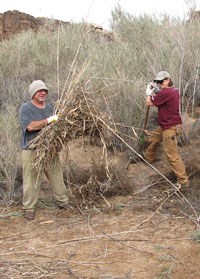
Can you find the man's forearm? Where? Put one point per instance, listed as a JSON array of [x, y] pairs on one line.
[[37, 125]]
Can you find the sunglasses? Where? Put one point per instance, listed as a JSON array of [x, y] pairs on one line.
[[161, 81]]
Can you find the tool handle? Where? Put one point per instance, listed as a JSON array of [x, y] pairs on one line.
[[146, 117]]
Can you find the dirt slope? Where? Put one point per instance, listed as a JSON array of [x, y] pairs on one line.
[[126, 240], [151, 232]]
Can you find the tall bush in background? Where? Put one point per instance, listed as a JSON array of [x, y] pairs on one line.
[[9, 152], [118, 70], [164, 43]]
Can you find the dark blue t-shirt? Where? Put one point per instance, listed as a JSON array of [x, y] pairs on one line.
[[28, 113]]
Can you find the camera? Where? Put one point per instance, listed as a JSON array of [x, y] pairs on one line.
[[155, 88]]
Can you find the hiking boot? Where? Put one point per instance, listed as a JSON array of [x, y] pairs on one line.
[[186, 184], [150, 161], [29, 214], [64, 206], [182, 185], [178, 185]]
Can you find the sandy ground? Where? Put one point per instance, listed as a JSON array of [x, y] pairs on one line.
[[132, 238], [151, 233]]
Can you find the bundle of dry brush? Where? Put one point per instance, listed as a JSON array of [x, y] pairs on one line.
[[78, 116]]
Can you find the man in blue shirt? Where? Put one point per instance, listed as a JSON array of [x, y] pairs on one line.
[[34, 115]]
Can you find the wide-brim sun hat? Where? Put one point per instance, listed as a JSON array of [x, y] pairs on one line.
[[35, 86], [162, 75]]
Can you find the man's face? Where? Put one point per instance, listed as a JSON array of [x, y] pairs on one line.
[[163, 83], [40, 96]]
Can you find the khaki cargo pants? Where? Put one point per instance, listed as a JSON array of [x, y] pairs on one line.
[[32, 182], [169, 138]]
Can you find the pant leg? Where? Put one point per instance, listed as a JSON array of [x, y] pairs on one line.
[[154, 140], [31, 180], [173, 157], [55, 176]]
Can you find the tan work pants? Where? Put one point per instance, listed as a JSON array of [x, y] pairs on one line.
[[32, 181], [169, 138]]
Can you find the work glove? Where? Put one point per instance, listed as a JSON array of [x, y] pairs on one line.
[[149, 90], [152, 88], [52, 118], [156, 88]]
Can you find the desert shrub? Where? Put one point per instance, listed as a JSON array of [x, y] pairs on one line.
[[9, 147], [116, 71], [159, 43]]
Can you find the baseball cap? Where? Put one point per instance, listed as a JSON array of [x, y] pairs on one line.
[[162, 75]]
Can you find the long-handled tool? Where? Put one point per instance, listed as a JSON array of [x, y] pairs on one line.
[[146, 118], [143, 134], [141, 140]]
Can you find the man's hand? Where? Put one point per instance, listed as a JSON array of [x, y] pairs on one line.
[[149, 90], [155, 87], [52, 118], [152, 89]]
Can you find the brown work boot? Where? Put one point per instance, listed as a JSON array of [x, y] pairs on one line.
[[64, 206], [186, 184], [147, 159], [178, 185], [182, 185], [29, 214]]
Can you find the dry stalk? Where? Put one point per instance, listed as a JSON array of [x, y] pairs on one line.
[[77, 117]]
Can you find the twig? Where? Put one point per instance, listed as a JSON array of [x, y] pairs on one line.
[[151, 216], [149, 164], [91, 238]]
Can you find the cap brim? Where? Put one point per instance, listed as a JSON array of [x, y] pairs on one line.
[[159, 78]]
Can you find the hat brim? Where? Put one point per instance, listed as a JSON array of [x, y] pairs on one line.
[[159, 78]]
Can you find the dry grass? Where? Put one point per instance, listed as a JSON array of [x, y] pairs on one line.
[[77, 117]]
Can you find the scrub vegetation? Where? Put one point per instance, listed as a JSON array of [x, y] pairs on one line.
[[115, 72]]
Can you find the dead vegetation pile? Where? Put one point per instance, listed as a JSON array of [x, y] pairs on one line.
[[79, 116]]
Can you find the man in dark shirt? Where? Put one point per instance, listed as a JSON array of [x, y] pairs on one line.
[[169, 119], [34, 115]]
